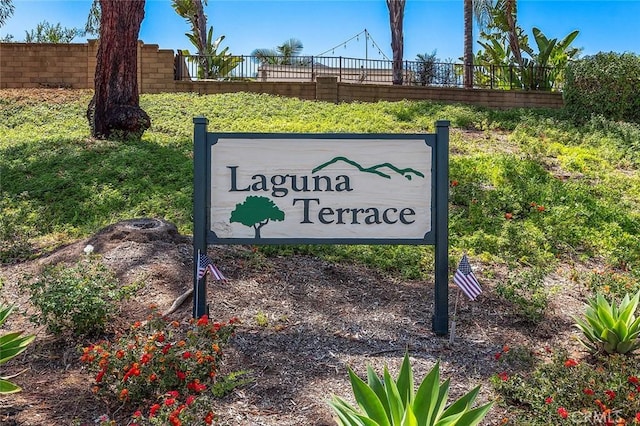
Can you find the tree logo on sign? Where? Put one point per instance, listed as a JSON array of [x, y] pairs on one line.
[[256, 212]]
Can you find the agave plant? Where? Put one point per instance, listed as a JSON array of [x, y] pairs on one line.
[[614, 329], [11, 344], [387, 402]]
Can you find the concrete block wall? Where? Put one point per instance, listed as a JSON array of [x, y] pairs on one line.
[[155, 69], [92, 61], [499, 99], [44, 65], [327, 89], [33, 65], [306, 91]]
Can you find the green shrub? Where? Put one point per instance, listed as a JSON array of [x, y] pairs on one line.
[[384, 401], [564, 390], [80, 299], [525, 289], [611, 282], [604, 84], [613, 139]]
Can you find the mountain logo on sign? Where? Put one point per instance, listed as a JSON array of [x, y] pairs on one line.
[[407, 173]]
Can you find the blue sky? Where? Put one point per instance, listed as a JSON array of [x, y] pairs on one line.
[[429, 25]]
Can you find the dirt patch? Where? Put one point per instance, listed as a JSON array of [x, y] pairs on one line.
[[315, 318], [26, 96]]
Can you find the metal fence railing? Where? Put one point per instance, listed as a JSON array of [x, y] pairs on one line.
[[364, 71]]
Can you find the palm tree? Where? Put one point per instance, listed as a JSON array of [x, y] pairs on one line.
[[503, 19], [481, 9], [281, 55], [193, 12], [6, 10], [510, 12], [211, 63], [92, 26], [396, 18]]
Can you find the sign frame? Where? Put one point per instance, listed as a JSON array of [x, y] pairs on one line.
[[436, 236]]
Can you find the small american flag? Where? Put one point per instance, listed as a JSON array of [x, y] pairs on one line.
[[206, 265], [465, 280]]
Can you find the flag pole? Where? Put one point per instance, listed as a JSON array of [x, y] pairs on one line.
[[197, 294], [452, 333]]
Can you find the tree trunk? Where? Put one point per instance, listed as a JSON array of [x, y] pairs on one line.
[[200, 26], [396, 18], [200, 31], [468, 44], [514, 43], [114, 110]]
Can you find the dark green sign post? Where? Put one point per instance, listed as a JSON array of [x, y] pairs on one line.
[[440, 324], [322, 189]]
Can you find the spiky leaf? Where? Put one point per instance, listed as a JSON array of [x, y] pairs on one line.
[[7, 387], [393, 396], [405, 381], [368, 400], [376, 384], [427, 396], [475, 416]]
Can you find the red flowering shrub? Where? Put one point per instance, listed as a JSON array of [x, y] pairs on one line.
[[157, 357], [570, 362], [599, 390], [174, 409], [562, 412]]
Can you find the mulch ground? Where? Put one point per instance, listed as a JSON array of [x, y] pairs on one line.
[[304, 320]]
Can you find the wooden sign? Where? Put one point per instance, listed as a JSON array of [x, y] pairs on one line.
[[322, 189]]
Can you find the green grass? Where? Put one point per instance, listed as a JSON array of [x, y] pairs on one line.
[[530, 192], [58, 184]]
